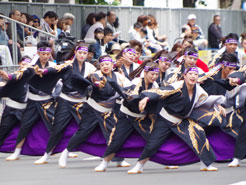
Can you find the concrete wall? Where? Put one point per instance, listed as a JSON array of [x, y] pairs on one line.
[[170, 20]]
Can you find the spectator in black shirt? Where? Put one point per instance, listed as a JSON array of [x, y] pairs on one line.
[[214, 33], [90, 20]]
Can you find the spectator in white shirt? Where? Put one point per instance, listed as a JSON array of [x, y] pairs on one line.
[[50, 19], [100, 23], [135, 31]]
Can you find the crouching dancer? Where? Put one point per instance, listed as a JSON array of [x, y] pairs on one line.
[[174, 117]]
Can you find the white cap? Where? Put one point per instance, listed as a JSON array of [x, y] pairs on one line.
[[124, 45], [68, 16], [191, 16], [116, 46]]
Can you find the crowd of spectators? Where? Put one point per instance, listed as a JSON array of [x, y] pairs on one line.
[[103, 28]]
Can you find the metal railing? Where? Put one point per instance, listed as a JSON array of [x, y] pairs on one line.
[[9, 69], [170, 20], [14, 35]]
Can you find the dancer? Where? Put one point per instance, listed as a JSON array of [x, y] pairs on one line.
[[189, 59], [40, 103], [164, 64], [210, 82], [174, 117], [236, 97], [230, 46], [125, 62], [70, 102], [98, 109], [14, 93], [130, 118]]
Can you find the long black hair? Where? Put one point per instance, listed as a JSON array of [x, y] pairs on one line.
[[229, 57]]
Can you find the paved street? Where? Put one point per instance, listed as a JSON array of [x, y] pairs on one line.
[[81, 171]]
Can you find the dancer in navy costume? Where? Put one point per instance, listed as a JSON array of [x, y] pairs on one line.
[[98, 110], [164, 61], [15, 102], [224, 66], [230, 46], [188, 59], [125, 65], [237, 98], [130, 118], [70, 102], [174, 117], [125, 62], [40, 103]]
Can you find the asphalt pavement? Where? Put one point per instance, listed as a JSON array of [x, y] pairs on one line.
[[80, 171]]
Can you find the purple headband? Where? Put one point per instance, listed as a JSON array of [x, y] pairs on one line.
[[81, 48], [195, 69], [129, 50], [164, 59], [149, 68], [106, 59], [233, 41], [27, 60], [47, 49], [229, 64], [187, 53]]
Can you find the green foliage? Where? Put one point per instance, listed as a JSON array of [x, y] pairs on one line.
[[115, 3]]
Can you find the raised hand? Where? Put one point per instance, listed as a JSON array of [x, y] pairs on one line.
[[4, 75], [142, 104]]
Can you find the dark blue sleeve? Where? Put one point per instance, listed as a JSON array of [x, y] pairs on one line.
[[97, 50]]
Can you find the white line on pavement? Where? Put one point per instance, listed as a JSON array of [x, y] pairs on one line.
[[91, 158], [239, 183]]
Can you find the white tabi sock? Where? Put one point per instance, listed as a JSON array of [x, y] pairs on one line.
[[235, 163], [63, 158], [102, 167], [136, 169], [15, 155], [204, 167], [43, 159], [72, 155], [123, 164]]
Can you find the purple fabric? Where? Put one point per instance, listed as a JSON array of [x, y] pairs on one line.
[[45, 71], [195, 69], [129, 50], [187, 53], [10, 76], [149, 68], [44, 50], [173, 152], [81, 48], [27, 60], [231, 40], [106, 59], [229, 64]]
